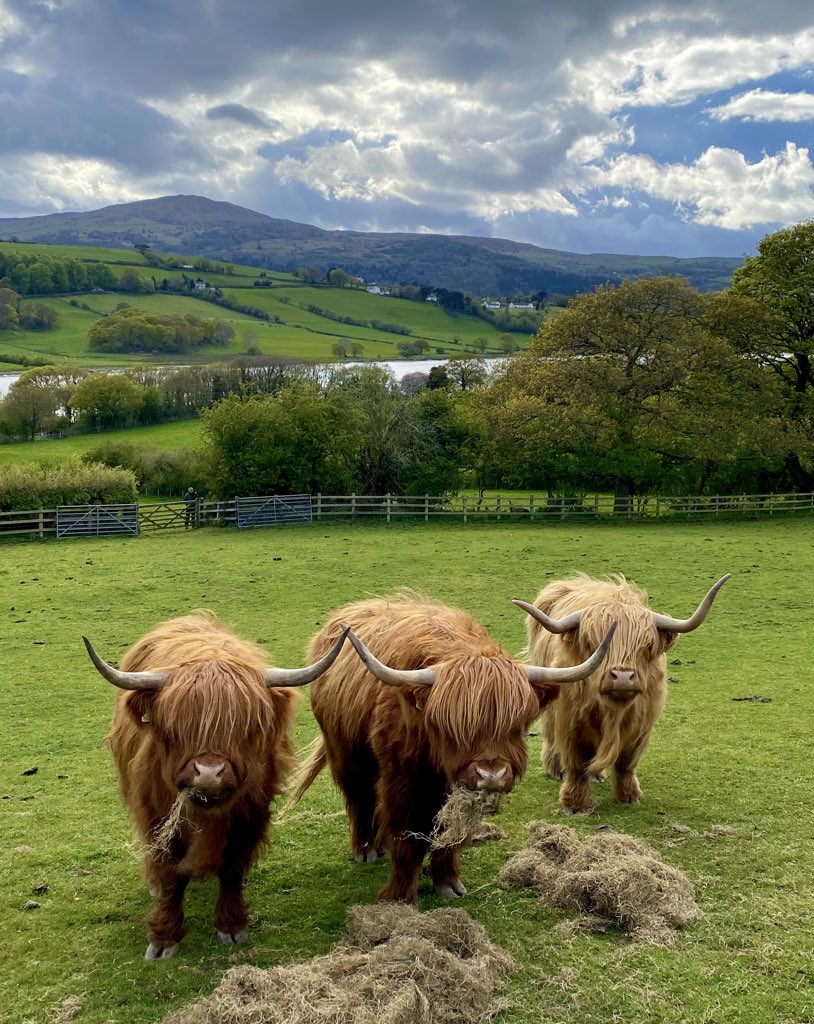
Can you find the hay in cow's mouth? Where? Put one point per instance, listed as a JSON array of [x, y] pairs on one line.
[[461, 818], [611, 880], [163, 835], [397, 966]]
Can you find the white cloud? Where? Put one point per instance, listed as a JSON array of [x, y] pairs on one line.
[[722, 189], [763, 105]]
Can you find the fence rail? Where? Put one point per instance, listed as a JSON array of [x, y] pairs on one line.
[[278, 509]]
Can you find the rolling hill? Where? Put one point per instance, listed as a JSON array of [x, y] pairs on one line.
[[198, 226]]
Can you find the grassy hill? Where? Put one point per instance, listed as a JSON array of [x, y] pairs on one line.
[[299, 332], [199, 226]]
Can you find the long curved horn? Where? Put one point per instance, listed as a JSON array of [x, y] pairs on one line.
[[125, 680], [694, 621], [281, 677], [571, 673], [393, 676], [552, 625]]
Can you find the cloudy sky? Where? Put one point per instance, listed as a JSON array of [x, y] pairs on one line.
[[587, 125]]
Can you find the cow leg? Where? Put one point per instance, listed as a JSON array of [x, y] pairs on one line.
[[575, 792], [626, 788], [231, 909], [445, 866], [166, 920], [552, 762], [355, 774], [406, 857]]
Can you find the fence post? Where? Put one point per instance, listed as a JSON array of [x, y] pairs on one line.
[[319, 505], [388, 507], [531, 507], [353, 505], [464, 507], [658, 505], [426, 508], [42, 531]]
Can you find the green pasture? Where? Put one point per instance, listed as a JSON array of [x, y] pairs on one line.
[[167, 436], [713, 761]]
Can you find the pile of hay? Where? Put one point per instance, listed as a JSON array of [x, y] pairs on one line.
[[461, 818], [609, 880], [397, 966]]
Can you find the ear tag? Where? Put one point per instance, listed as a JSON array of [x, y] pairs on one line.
[[419, 705], [145, 717]]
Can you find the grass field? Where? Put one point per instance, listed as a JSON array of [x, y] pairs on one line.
[[167, 436], [713, 761], [302, 334]]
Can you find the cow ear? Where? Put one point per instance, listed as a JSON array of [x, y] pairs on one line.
[[415, 696], [545, 693], [140, 704], [668, 639]]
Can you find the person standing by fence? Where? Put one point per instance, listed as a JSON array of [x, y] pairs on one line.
[[191, 498]]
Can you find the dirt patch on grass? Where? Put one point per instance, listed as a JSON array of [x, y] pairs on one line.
[[397, 966], [610, 880]]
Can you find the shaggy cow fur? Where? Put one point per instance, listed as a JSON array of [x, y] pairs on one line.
[[597, 723], [215, 708], [397, 752]]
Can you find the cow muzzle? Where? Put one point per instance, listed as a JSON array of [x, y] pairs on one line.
[[209, 783], [621, 684], [490, 777]]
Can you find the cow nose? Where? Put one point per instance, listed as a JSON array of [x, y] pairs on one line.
[[624, 678], [489, 778], [208, 776]]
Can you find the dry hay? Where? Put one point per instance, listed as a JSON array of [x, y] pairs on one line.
[[609, 880], [461, 817], [397, 966], [163, 835]]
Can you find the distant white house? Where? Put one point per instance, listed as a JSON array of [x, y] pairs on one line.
[[374, 289], [431, 298], [186, 266], [491, 304], [200, 285], [521, 305]]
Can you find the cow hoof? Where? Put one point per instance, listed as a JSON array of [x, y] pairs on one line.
[[453, 891], [161, 950], [599, 777], [155, 890], [573, 811], [233, 938], [369, 855]]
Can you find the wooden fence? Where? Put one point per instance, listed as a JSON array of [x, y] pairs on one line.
[[174, 515]]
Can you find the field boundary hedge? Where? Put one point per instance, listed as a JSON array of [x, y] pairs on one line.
[[171, 515]]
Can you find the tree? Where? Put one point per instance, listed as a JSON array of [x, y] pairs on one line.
[[30, 405], [9, 308], [337, 277], [107, 400], [131, 281], [629, 387], [466, 373], [37, 316], [508, 344], [780, 324]]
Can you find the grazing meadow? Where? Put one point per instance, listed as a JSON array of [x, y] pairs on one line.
[[716, 759]]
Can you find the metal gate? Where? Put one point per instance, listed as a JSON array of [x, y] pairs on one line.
[[96, 520], [273, 511]]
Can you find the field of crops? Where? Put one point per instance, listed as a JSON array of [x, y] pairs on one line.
[[715, 760]]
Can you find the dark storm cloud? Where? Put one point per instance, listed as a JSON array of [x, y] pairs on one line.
[[237, 112]]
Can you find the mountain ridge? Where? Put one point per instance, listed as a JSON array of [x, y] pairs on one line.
[[198, 226]]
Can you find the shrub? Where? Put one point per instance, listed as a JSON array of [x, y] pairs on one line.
[[29, 485]]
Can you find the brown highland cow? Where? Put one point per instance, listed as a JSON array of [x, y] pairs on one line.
[[200, 737], [606, 719], [447, 706]]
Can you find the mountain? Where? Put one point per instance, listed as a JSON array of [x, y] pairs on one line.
[[195, 226]]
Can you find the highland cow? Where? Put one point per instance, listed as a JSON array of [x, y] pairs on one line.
[[605, 720], [200, 737], [453, 711]]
